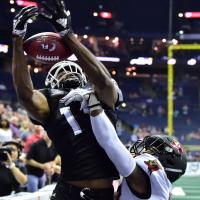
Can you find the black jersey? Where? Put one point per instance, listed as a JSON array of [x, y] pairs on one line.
[[71, 132], [41, 153]]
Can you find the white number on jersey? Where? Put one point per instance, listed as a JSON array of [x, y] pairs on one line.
[[71, 120]]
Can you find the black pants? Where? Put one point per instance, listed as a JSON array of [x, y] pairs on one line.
[[66, 191]]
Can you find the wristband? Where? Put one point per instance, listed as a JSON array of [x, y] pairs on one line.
[[19, 33], [11, 166], [93, 103], [65, 32]]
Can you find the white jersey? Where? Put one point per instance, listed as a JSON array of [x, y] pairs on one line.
[[160, 185], [5, 135]]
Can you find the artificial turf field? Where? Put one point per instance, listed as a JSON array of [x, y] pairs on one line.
[[187, 188]]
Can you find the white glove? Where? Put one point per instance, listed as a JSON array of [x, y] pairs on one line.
[[78, 94]]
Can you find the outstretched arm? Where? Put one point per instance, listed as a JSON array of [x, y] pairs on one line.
[[97, 73], [34, 102]]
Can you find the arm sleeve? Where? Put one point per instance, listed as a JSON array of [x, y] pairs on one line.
[[107, 138]]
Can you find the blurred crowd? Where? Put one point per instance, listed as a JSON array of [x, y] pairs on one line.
[[15, 124], [36, 163], [28, 160]]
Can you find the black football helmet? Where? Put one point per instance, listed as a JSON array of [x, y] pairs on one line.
[[65, 75], [167, 150]]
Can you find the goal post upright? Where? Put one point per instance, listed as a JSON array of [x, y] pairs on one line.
[[170, 82]]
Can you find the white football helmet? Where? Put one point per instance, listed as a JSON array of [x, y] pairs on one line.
[[63, 70]]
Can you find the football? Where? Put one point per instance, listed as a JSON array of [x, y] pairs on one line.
[[46, 48]]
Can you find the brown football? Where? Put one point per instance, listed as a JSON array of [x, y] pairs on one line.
[[46, 47]]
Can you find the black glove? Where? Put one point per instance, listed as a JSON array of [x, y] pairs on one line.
[[21, 20], [58, 16]]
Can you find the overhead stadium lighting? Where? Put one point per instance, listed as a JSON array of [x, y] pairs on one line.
[[107, 38], [36, 70], [12, 10], [128, 73], [109, 59], [124, 105], [95, 14], [142, 61], [12, 2], [106, 15], [113, 72], [171, 61], [180, 14], [134, 73], [181, 32], [3, 48], [192, 14], [103, 59], [192, 61], [85, 36], [174, 41]]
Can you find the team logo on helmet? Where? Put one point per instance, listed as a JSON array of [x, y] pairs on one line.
[[178, 146]]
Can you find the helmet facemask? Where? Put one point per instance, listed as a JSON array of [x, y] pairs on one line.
[[137, 148], [65, 75]]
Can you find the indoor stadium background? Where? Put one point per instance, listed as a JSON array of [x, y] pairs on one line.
[[151, 49]]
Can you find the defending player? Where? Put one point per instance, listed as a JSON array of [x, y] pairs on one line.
[[84, 163], [159, 160]]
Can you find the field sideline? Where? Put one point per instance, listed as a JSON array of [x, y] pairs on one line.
[[187, 188]]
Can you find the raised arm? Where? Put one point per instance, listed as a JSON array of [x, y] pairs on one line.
[[17, 173], [33, 101], [96, 72], [94, 69]]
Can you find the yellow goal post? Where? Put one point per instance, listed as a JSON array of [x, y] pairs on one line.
[[170, 81]]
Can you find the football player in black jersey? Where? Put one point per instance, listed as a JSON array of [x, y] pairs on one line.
[[86, 171]]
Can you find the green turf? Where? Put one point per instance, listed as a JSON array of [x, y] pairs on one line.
[[191, 187]]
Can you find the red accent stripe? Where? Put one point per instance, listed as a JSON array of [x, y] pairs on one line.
[[26, 3], [192, 14]]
